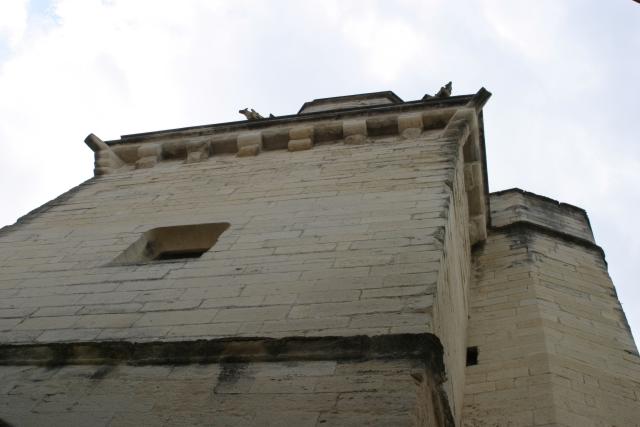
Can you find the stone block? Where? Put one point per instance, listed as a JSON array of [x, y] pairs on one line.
[[149, 150], [249, 144], [197, 151], [177, 317], [410, 125], [107, 320], [174, 149], [249, 139], [248, 150], [300, 144], [146, 162], [355, 140], [354, 127], [301, 132]]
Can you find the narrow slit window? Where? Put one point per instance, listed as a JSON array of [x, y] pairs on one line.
[[472, 356], [172, 243]]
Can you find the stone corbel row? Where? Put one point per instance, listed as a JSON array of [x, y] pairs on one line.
[[251, 143], [463, 127], [354, 132]]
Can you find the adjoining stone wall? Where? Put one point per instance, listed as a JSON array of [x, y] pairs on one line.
[[338, 240], [554, 347], [511, 384], [312, 393], [592, 355]]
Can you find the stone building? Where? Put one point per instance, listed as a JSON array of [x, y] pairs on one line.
[[344, 266]]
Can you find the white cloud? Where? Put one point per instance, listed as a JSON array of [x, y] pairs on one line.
[[533, 30], [13, 21], [388, 47]]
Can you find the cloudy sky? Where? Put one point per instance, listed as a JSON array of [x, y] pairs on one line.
[[563, 120]]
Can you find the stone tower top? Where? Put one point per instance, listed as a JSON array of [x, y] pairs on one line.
[[350, 101]]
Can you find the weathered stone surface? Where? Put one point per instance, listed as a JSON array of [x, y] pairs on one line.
[[300, 144], [197, 151], [354, 127], [301, 132], [410, 125], [248, 150], [375, 393], [294, 238], [249, 144]]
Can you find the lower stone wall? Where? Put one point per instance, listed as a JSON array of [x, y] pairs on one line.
[[309, 393], [297, 381], [553, 346]]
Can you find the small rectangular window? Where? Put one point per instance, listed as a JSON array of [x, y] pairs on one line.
[[172, 243], [472, 356]]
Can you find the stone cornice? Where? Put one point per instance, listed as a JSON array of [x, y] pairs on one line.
[[204, 130], [251, 137], [460, 119]]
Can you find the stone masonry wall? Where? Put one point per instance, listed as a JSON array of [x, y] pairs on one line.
[[554, 347], [320, 393], [337, 240], [511, 384]]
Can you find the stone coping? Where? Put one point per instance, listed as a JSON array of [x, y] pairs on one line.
[[391, 97], [518, 206], [538, 196], [431, 103]]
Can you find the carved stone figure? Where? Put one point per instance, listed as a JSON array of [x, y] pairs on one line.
[[252, 114], [445, 91]]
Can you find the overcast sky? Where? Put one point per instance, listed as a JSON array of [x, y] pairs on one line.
[[562, 122]]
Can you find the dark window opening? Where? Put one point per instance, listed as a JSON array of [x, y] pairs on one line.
[[178, 255], [472, 356], [176, 242]]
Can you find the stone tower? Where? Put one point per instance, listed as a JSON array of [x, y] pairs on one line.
[[342, 266]]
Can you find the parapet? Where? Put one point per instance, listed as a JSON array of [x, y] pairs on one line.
[[517, 206]]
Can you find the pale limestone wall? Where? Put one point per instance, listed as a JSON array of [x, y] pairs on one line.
[[324, 393], [337, 240], [554, 347]]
